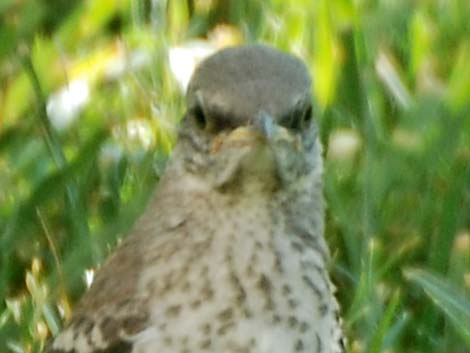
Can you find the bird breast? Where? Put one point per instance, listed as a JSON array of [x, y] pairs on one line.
[[234, 278]]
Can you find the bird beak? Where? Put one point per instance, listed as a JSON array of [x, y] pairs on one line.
[[272, 131], [263, 130], [240, 137], [265, 124]]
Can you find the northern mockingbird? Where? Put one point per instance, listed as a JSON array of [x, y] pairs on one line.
[[229, 256]]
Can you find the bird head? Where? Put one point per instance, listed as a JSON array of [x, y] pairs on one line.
[[249, 119]]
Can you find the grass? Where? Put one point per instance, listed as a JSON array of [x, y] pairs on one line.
[[393, 101]]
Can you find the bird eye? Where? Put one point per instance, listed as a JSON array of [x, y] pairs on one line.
[[307, 117], [300, 119], [200, 117]]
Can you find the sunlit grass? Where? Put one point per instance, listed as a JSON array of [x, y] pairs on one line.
[[392, 99]]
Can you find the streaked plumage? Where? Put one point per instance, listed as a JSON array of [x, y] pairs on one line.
[[229, 256]]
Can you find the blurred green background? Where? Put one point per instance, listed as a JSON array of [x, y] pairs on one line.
[[91, 95]]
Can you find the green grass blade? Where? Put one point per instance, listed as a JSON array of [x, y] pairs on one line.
[[448, 298], [385, 323]]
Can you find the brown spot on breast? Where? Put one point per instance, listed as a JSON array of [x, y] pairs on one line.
[[185, 268], [226, 314], [250, 271], [292, 321], [304, 327], [323, 309], [299, 345], [312, 242], [205, 344], [186, 286], [195, 304], [278, 262], [319, 343], [286, 289], [229, 256], [312, 286], [173, 311], [241, 293], [265, 286], [206, 329], [207, 293], [223, 329], [247, 313], [293, 303], [297, 247]]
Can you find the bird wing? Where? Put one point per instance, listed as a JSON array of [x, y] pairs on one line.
[[116, 307], [110, 312]]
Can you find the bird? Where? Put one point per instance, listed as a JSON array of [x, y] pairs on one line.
[[229, 255]]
